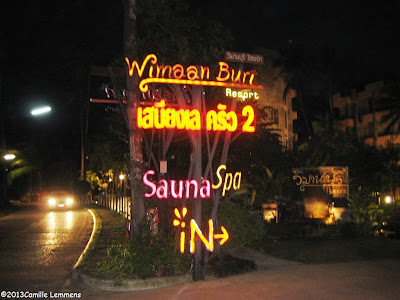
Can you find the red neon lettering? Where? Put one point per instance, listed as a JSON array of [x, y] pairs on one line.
[[248, 112], [160, 117]]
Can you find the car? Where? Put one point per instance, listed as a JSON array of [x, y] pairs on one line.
[[59, 199]]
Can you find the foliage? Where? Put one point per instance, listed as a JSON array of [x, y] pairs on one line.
[[177, 32], [244, 226], [147, 256], [360, 202], [327, 147]]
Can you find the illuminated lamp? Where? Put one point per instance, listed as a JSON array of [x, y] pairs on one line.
[[9, 156], [40, 110]]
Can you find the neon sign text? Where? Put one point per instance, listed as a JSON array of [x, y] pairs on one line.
[[177, 74], [241, 94], [186, 188], [229, 180], [177, 189], [194, 229], [159, 117]]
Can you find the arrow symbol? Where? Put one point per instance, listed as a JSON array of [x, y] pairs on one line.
[[224, 236]]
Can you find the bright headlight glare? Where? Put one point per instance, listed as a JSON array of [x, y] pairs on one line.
[[69, 201], [52, 202]]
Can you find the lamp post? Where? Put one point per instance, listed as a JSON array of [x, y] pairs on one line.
[[37, 112]]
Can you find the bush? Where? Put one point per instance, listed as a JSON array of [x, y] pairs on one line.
[[243, 226], [149, 256]]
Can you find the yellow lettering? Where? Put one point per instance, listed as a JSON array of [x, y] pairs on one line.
[[194, 228], [223, 70], [216, 186], [140, 70], [192, 73], [179, 72]]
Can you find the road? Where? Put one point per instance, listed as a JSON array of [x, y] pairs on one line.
[[38, 248]]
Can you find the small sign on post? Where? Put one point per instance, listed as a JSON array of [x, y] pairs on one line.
[[245, 58]]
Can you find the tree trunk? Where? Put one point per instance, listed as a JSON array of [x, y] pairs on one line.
[[197, 173], [138, 212]]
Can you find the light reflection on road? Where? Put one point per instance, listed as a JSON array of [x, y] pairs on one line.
[[39, 248]]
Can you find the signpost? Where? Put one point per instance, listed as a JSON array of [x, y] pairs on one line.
[[159, 111], [245, 58]]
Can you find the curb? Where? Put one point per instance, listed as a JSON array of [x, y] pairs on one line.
[[126, 285], [131, 285]]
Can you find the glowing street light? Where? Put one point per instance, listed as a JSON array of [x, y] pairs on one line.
[[9, 156], [388, 199], [40, 110], [122, 177]]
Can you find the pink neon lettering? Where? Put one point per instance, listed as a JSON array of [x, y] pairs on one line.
[[149, 183]]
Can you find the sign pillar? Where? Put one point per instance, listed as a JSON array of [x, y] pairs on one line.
[[197, 165]]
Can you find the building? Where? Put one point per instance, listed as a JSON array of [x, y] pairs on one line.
[[361, 112], [279, 108], [280, 115]]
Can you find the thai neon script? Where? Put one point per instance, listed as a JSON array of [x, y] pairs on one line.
[[160, 116], [243, 95], [323, 180], [177, 74], [194, 229]]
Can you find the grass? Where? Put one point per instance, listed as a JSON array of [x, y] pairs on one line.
[[334, 251], [111, 229]]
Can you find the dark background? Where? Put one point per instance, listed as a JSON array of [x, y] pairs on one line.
[[47, 48]]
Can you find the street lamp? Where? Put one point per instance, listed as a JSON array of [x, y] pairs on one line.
[[388, 199], [9, 156], [40, 110]]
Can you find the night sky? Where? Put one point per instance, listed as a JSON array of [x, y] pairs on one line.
[[44, 43]]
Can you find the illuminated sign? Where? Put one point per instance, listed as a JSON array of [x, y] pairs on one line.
[[177, 189], [192, 75], [190, 188], [333, 180], [160, 116], [229, 180], [194, 229], [243, 95], [244, 57]]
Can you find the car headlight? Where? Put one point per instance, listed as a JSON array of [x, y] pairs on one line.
[[69, 201], [52, 201]]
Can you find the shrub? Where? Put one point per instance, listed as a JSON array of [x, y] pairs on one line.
[[149, 256], [243, 226]]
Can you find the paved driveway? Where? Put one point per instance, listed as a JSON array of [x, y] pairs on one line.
[[280, 279]]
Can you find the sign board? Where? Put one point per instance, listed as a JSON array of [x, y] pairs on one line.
[[323, 191], [245, 58], [333, 180]]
